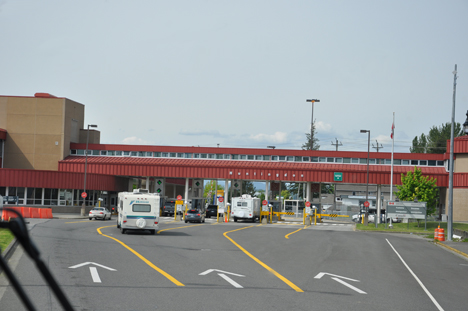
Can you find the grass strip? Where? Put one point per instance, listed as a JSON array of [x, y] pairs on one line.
[[5, 238]]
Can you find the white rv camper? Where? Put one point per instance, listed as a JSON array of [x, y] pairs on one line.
[[245, 207], [138, 210]]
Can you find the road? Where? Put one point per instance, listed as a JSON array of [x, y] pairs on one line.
[[237, 266]]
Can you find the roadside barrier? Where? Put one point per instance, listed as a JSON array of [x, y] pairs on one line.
[[441, 234], [27, 212]]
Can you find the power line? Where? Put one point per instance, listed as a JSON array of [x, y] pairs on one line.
[[337, 143], [377, 147]]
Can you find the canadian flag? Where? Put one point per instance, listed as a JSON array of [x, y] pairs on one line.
[[393, 127]]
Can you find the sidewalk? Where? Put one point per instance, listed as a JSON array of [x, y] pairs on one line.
[[460, 248]]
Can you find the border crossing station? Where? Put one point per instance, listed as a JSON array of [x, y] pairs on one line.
[[50, 157]]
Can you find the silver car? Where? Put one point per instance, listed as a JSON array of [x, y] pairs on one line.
[[100, 213]]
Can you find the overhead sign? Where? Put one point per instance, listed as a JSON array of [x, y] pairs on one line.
[[402, 209], [337, 176]]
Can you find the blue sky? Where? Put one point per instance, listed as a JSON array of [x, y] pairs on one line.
[[238, 73]]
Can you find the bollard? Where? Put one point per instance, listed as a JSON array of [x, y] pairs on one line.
[[436, 234], [441, 234]]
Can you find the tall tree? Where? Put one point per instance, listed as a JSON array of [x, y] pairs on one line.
[[249, 188], [315, 145], [414, 184], [208, 191], [436, 140]]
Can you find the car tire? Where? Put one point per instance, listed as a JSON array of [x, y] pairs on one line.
[[203, 220], [186, 221], [153, 232], [235, 219], [118, 226], [122, 230], [90, 218]]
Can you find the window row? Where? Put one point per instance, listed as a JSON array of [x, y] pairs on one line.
[[251, 157], [46, 196]]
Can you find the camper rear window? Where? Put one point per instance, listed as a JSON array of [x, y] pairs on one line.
[[241, 203], [141, 208]]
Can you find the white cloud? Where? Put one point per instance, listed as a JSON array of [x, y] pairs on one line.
[[135, 141], [384, 139], [278, 137], [321, 126]]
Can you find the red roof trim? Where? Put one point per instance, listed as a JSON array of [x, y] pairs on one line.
[[3, 134]]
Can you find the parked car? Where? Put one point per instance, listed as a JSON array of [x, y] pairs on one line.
[[211, 210], [100, 213], [168, 208], [194, 215]]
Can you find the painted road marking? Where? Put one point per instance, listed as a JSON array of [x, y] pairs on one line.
[[92, 270], [339, 278], [149, 263], [282, 278], [74, 222], [224, 276], [287, 235], [416, 278], [178, 228]]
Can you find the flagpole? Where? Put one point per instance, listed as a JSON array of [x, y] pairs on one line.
[[391, 170]]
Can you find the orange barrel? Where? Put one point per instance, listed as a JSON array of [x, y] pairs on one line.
[[436, 234], [441, 234]]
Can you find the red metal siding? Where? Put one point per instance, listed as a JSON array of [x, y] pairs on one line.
[[3, 134], [286, 171], [62, 180]]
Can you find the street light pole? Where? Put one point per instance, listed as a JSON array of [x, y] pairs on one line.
[[85, 168], [366, 217], [312, 122]]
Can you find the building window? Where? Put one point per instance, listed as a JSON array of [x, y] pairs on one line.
[[258, 157], [243, 157], [405, 162], [149, 154], [73, 151], [346, 160], [396, 162], [330, 160], [363, 161], [440, 163], [250, 157], [219, 156], [65, 197], [235, 156], [118, 153], [157, 154], [50, 196], [211, 156], [388, 161], [274, 158], [432, 162], [422, 162], [196, 155], [305, 159], [141, 153], [297, 159], [282, 158], [339, 160], [110, 153], [180, 155], [80, 152], [289, 158], [354, 160], [266, 158], [95, 152], [314, 159], [372, 161], [204, 155], [322, 159], [188, 155], [103, 152], [126, 153], [227, 157], [133, 153], [172, 155], [414, 162], [164, 154]]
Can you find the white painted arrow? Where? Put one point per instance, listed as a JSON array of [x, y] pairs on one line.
[[339, 278], [224, 276], [92, 270]]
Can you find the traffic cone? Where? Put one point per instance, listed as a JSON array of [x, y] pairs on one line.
[[225, 217]]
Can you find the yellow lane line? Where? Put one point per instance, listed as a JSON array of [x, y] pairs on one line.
[[74, 222], [287, 235], [452, 249], [282, 278], [178, 228], [149, 263]]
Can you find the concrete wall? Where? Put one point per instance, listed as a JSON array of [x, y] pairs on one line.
[[39, 130]]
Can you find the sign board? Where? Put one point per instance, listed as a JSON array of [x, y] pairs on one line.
[[402, 209], [307, 208], [10, 199], [265, 208], [307, 204], [337, 176], [84, 195], [179, 205], [366, 204], [264, 202], [221, 199], [179, 197]]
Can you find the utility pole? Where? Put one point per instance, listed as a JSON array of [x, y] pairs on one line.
[[377, 147], [337, 143]]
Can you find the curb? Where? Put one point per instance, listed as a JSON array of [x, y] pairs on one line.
[[9, 250], [452, 249]]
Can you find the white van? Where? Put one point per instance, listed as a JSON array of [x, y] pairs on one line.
[[245, 207], [138, 210]]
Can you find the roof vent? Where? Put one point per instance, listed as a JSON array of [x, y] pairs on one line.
[[44, 95]]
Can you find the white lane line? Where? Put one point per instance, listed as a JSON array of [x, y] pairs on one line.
[[349, 285], [231, 281], [95, 275], [416, 278]]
